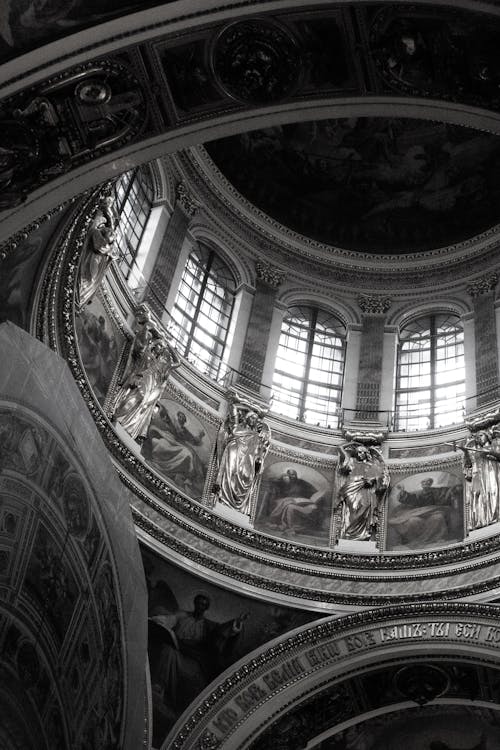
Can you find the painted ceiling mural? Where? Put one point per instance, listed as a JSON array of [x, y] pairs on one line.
[[374, 184]]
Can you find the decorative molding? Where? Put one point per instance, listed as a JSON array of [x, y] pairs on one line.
[[483, 421], [316, 462], [372, 304], [365, 437], [483, 285], [10, 245], [186, 200], [248, 217], [269, 274]]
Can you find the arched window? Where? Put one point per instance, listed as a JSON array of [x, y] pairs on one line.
[[309, 371], [202, 311], [134, 198], [430, 375]]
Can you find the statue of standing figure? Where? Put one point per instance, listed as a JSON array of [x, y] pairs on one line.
[[145, 330], [481, 466], [144, 386], [242, 447], [100, 250], [362, 483]]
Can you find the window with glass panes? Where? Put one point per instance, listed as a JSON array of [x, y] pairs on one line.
[[134, 198], [430, 375], [202, 311], [309, 370]]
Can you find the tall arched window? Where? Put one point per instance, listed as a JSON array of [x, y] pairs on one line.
[[309, 371], [134, 198], [430, 376], [202, 311]]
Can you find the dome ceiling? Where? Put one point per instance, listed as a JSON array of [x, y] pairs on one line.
[[373, 184]]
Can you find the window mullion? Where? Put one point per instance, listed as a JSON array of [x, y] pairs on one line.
[[199, 302], [310, 342], [433, 357]]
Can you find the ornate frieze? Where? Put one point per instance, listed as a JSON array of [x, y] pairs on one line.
[[186, 200], [372, 304], [256, 61], [269, 274], [483, 285], [68, 120]]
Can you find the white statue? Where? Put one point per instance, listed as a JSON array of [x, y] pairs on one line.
[[144, 386], [243, 445], [100, 250]]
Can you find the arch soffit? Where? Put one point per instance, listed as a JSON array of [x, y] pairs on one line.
[[346, 312], [404, 313], [206, 235]]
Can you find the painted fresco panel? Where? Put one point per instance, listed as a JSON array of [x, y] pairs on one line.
[[425, 510], [18, 272], [50, 581], [295, 501], [196, 630], [179, 445], [100, 344]]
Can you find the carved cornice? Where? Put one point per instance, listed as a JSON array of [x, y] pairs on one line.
[[186, 200], [316, 462], [269, 274], [364, 436], [243, 213], [372, 304], [483, 285], [483, 421]]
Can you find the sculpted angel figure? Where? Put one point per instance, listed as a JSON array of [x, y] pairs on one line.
[[481, 459], [243, 445], [144, 386], [362, 482], [101, 249]]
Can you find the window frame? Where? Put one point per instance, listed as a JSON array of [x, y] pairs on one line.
[[436, 341], [141, 182], [215, 366], [301, 398]]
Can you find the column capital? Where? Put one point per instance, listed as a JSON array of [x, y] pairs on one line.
[[269, 274], [374, 304], [483, 285], [186, 200]]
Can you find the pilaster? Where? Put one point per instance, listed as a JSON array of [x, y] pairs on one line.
[[253, 357], [482, 291]]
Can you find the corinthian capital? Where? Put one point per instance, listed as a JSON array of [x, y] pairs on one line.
[[485, 284], [373, 304], [269, 274], [187, 202]]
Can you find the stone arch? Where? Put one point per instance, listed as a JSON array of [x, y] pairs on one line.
[[318, 663]]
